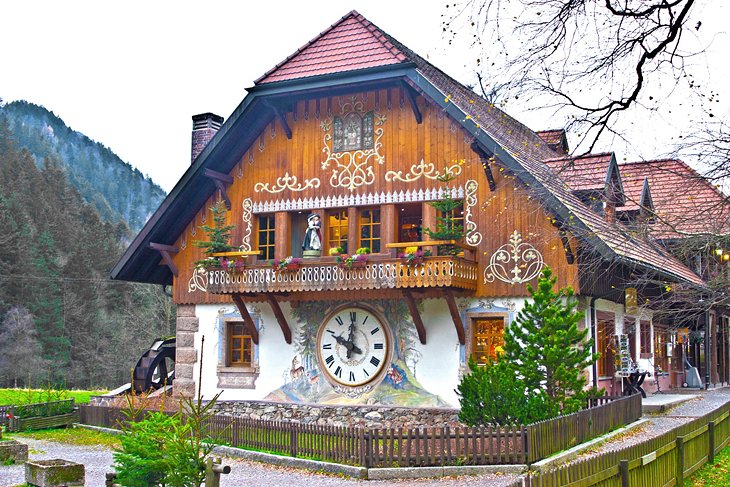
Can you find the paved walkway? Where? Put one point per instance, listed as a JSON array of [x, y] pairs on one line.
[[98, 460]]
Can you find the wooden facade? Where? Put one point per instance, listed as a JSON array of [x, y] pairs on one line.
[[278, 172]]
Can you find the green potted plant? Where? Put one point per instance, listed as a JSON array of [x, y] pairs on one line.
[[446, 227], [288, 264], [219, 237], [413, 256], [335, 251]]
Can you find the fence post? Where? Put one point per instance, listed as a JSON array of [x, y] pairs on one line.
[[367, 448], [711, 452], [293, 438], [623, 470], [680, 461], [526, 445]]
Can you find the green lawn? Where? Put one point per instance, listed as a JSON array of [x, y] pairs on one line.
[[71, 436], [27, 396], [712, 475]]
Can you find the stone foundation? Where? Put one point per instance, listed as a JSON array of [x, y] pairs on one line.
[[185, 353], [370, 416]]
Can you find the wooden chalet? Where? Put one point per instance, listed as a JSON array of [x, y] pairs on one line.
[[360, 131]]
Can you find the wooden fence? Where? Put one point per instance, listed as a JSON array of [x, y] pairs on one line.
[[604, 414], [38, 415], [388, 447], [664, 460]]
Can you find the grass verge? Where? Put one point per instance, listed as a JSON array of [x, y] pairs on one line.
[[27, 396], [715, 474], [71, 436]]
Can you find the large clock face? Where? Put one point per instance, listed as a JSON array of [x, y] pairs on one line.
[[353, 346]]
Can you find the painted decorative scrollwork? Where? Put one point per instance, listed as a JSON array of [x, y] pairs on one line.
[[422, 169], [472, 236], [352, 168], [286, 182], [198, 280], [247, 229], [526, 259]]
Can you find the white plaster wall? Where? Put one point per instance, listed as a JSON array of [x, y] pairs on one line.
[[274, 353], [438, 368]]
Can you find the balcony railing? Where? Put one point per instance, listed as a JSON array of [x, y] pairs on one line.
[[318, 275]]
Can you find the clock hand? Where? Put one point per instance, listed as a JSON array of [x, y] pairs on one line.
[[355, 349]]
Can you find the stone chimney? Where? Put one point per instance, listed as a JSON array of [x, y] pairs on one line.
[[205, 127]]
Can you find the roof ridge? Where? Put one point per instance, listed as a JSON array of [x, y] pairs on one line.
[[369, 26]]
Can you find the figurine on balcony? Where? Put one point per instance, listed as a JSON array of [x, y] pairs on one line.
[[312, 245]]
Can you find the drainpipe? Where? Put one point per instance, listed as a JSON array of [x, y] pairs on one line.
[[707, 349]]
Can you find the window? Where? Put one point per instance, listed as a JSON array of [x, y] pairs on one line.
[[353, 132], [456, 216], [267, 236], [240, 345], [645, 330], [661, 339], [337, 229], [605, 344], [410, 222], [487, 335], [370, 230]]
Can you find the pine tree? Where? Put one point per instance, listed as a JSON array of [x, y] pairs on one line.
[[547, 349], [219, 235]]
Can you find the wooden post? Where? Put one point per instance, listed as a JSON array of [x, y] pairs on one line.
[[282, 222], [680, 461], [353, 230], [429, 221], [293, 439], [387, 228], [711, 434], [213, 471], [623, 469]]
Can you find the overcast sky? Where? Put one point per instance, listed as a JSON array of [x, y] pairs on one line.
[[131, 74]]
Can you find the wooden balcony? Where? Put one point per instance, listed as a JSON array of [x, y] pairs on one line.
[[379, 272]]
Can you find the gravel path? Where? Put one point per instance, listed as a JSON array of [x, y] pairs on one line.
[[98, 460], [245, 473]]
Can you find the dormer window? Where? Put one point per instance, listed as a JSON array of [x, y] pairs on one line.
[[353, 132]]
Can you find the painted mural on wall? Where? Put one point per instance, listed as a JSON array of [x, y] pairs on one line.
[[306, 383]]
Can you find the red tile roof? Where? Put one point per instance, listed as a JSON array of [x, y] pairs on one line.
[[684, 201], [583, 173], [350, 43], [556, 139]]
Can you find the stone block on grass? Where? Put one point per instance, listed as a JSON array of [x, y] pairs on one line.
[[54, 473], [15, 450]]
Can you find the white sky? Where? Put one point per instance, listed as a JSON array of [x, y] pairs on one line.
[[131, 74]]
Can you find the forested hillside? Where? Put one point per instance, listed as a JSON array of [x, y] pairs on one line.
[[117, 190], [61, 318]]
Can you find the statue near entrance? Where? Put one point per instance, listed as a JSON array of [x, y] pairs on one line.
[[312, 245]]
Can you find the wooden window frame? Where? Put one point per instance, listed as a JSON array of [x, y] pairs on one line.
[[644, 338], [661, 339], [341, 242], [267, 250], [605, 364], [368, 242], [245, 338], [235, 375], [471, 318]]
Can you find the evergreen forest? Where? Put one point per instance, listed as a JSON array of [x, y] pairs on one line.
[[116, 189], [62, 320]]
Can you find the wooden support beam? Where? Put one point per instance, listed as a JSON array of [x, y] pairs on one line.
[[282, 120], [412, 101], [411, 302], [247, 320], [455, 316], [221, 181], [165, 251], [569, 256], [283, 324], [484, 158]]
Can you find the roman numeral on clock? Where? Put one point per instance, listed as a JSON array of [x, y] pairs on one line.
[[352, 376], [374, 330], [330, 360], [338, 371], [328, 346], [353, 316], [365, 372], [378, 346], [339, 321], [375, 361]]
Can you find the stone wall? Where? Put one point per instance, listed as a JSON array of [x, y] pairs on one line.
[[185, 353], [372, 416]]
